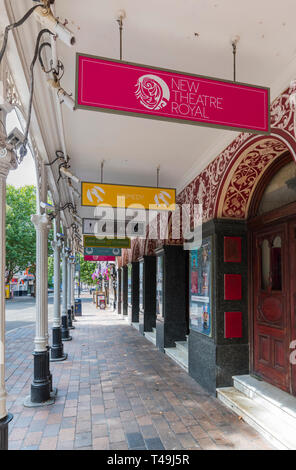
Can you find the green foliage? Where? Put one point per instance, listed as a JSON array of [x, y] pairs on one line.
[[50, 270], [86, 270], [20, 231]]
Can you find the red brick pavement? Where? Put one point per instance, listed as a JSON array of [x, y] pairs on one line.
[[116, 391]]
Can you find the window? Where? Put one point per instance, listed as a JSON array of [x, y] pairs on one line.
[[276, 264], [281, 190], [271, 264], [265, 265]]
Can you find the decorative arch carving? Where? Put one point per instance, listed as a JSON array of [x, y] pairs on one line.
[[226, 186], [241, 181]]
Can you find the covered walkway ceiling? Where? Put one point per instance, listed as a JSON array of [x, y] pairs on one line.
[[191, 36]]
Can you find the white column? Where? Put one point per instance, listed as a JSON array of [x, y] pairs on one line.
[[65, 284], [57, 274], [69, 282], [42, 224], [72, 282], [4, 169], [41, 386]]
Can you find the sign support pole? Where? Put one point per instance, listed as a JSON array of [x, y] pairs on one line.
[[120, 18]]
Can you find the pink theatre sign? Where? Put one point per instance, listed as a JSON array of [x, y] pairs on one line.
[[98, 258], [138, 90]]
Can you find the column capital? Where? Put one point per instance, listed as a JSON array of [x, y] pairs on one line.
[[41, 221], [7, 162], [56, 244]]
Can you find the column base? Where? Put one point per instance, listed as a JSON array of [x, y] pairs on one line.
[[4, 431], [59, 359], [70, 326], [41, 393], [57, 348], [73, 313], [65, 330], [49, 374]]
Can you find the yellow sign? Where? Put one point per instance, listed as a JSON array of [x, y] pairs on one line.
[[136, 197], [7, 291]]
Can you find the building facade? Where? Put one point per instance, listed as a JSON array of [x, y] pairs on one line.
[[248, 195]]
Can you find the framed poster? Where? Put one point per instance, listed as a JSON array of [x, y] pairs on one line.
[[121, 285], [200, 285], [129, 285], [159, 286], [141, 286]]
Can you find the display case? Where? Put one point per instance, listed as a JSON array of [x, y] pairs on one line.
[[200, 288], [133, 292], [141, 287], [159, 287], [124, 290], [129, 286], [119, 291], [147, 293], [172, 295]]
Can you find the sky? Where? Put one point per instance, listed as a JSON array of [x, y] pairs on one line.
[[25, 174]]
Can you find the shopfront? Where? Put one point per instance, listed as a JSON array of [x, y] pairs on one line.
[[272, 277], [147, 294], [171, 296], [238, 288], [133, 292]]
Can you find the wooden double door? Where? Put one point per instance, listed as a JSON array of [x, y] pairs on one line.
[[273, 265]]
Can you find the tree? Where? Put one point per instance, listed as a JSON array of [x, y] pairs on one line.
[[50, 270], [86, 270], [20, 231]]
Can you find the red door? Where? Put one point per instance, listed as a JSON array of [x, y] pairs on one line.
[[292, 276], [271, 309]]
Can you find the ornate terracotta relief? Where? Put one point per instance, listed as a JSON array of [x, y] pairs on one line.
[[246, 172], [226, 186]]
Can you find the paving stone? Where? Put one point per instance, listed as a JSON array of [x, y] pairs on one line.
[[17, 434], [83, 439], [48, 443], [116, 391], [101, 443], [112, 413], [65, 445], [51, 430], [37, 425], [15, 445], [32, 438], [99, 430], [154, 444], [135, 440], [149, 431], [116, 435], [67, 434], [83, 426]]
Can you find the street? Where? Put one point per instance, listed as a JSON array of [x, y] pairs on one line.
[[21, 311]]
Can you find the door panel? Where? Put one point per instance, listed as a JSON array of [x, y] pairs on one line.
[[292, 276], [271, 320]]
